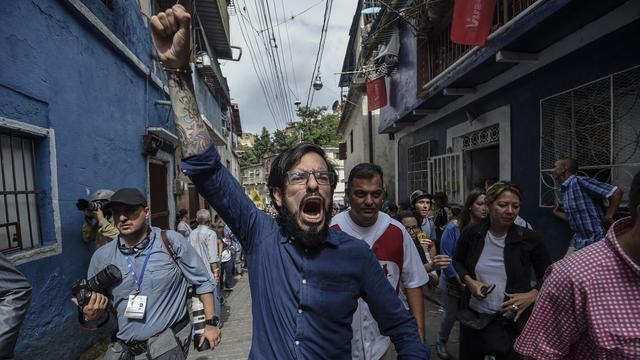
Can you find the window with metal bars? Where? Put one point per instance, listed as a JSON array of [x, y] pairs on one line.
[[418, 176], [19, 223], [597, 124]]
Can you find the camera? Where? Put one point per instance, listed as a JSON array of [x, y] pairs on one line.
[[84, 205], [101, 282], [198, 319]]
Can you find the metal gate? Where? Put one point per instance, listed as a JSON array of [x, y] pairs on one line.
[[445, 174]]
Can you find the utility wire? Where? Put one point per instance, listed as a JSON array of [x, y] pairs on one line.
[[323, 36], [293, 64], [293, 17], [256, 70]]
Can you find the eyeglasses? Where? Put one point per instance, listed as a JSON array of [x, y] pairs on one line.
[[301, 177], [411, 228]]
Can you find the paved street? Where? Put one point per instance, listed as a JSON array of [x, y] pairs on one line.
[[236, 333]]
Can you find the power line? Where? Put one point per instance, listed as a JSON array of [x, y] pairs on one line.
[[274, 69], [293, 65], [323, 36], [256, 70], [293, 17]]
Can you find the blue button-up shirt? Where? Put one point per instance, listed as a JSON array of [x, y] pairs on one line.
[[303, 299], [584, 216], [164, 284]]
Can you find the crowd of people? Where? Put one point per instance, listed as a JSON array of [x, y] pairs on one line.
[[347, 283]]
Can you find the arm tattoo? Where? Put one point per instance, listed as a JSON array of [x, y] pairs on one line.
[[193, 134]]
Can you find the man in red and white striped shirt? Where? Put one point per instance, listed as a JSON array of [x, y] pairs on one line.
[[396, 253], [589, 305]]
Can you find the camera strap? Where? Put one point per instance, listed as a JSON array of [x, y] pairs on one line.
[[138, 280], [169, 246]]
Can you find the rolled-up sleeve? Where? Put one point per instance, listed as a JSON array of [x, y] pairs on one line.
[[191, 264]]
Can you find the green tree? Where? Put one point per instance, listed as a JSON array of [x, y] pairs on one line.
[[282, 140], [317, 126], [262, 144], [248, 156]]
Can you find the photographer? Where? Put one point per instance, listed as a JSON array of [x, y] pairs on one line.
[[149, 300], [97, 224]]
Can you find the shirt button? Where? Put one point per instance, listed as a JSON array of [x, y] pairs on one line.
[[299, 311], [297, 342], [304, 281]]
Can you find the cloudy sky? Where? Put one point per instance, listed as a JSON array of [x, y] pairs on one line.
[[304, 33]]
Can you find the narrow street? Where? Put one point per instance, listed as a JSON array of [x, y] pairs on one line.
[[237, 330]]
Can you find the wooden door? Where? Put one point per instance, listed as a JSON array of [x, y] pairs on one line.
[[159, 198]]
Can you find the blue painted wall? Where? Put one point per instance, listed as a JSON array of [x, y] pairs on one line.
[[57, 72], [603, 57]]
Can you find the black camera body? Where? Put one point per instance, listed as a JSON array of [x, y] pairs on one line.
[[101, 282], [84, 205]]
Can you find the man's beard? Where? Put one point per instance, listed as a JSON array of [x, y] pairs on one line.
[[312, 238]]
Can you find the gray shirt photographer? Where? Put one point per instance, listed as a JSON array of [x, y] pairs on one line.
[[164, 284]]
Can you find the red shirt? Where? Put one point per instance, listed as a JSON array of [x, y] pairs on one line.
[[589, 305]]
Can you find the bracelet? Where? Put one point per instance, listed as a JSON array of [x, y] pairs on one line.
[[182, 70]]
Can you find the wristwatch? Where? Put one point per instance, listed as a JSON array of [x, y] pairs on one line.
[[213, 321]]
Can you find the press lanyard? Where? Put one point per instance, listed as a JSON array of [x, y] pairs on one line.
[[144, 266]]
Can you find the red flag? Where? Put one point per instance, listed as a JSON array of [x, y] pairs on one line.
[[376, 93], [471, 21]]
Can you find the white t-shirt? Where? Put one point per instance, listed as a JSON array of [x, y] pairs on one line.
[[400, 261], [490, 270]]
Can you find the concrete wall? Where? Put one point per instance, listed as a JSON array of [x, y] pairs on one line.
[[383, 148], [603, 57], [59, 73]]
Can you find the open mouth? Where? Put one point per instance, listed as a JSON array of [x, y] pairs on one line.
[[312, 210]]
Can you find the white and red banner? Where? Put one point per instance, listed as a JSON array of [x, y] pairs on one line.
[[376, 93], [471, 21]]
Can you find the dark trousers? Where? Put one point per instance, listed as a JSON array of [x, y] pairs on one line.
[[226, 273], [475, 344]]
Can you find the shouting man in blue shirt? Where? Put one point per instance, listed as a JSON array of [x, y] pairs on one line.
[[305, 278]]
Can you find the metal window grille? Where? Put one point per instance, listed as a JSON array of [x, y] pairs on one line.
[[597, 124], [418, 176], [480, 138], [446, 176], [19, 223]]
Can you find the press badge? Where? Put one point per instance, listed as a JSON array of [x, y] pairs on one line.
[[136, 306]]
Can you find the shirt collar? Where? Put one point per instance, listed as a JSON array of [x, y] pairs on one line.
[[137, 249], [331, 239], [616, 229], [568, 181]]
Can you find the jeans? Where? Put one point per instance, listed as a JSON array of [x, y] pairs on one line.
[[226, 274], [450, 302], [216, 298]]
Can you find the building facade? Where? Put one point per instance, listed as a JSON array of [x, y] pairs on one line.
[[358, 127], [83, 106], [555, 79]]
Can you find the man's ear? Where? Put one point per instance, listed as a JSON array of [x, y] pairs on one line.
[[147, 213], [277, 197]]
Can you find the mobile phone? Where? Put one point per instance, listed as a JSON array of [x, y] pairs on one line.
[[487, 289]]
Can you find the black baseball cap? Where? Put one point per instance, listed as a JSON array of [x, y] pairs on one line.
[[416, 195], [127, 196]]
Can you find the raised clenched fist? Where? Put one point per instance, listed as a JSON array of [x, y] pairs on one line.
[[171, 36]]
